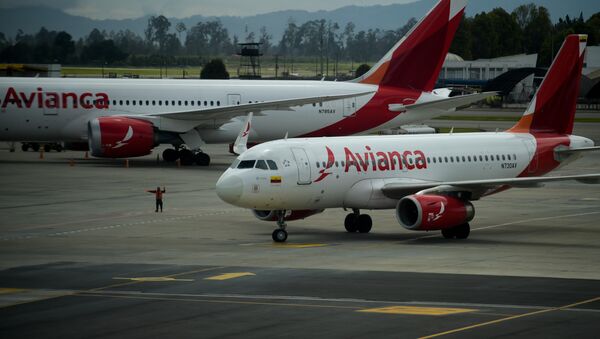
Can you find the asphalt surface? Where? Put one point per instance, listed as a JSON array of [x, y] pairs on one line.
[[83, 254]]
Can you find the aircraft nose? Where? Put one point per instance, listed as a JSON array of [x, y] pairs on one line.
[[229, 188]]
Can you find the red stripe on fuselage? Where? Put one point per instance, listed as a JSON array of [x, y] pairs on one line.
[[543, 160], [374, 113]]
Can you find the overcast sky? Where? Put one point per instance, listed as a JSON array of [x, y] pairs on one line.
[[121, 9]]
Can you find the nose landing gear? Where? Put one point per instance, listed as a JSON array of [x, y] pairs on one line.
[[280, 234]]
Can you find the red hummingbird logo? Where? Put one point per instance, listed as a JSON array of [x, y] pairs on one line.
[[330, 162]]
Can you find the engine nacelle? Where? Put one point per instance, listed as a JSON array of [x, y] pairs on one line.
[[433, 212], [116, 137], [289, 215]]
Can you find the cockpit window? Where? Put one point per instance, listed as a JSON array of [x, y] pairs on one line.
[[261, 164], [272, 165], [246, 164], [235, 163]]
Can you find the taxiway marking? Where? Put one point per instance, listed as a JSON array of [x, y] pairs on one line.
[[152, 279], [11, 290], [416, 310], [553, 309], [227, 276]]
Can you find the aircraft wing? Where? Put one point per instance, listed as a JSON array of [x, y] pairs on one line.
[[224, 113], [443, 104], [477, 188]]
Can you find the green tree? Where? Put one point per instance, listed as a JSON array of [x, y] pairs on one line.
[[214, 69], [157, 31], [63, 47], [362, 69]]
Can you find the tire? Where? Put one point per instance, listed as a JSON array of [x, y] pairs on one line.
[[448, 233], [24, 147], [58, 148], [47, 148], [279, 235], [351, 223], [35, 147], [462, 231], [202, 159], [170, 155], [365, 223], [186, 157]]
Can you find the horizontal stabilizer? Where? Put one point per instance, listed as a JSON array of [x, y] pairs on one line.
[[444, 104], [578, 150]]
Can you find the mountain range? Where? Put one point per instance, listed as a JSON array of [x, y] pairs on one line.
[[31, 19]]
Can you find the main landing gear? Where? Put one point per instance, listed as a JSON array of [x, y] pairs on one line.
[[356, 222], [458, 232], [186, 156], [280, 234]]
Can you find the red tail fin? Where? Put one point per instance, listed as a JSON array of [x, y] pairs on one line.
[[416, 60], [552, 109]]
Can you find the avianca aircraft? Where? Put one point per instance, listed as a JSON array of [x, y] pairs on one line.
[[128, 117], [430, 180]]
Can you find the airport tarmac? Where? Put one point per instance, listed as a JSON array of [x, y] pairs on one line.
[[83, 254]]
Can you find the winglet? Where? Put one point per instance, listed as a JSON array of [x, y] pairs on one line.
[[416, 60], [241, 143], [552, 109]]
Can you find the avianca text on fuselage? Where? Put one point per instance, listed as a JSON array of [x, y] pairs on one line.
[[374, 161], [63, 100]]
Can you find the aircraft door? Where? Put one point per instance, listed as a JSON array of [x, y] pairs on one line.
[[349, 107], [234, 99], [303, 166]]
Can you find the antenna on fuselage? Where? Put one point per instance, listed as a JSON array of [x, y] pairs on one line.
[[452, 130], [286, 135]]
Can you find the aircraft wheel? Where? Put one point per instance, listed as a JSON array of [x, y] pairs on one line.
[[186, 156], [462, 231], [47, 148], [279, 235], [365, 223], [202, 159], [58, 148], [35, 147], [24, 147], [170, 155], [448, 233], [351, 223]]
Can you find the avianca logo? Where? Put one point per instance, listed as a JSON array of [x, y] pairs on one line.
[[245, 134], [330, 161], [375, 161], [384, 161], [431, 217], [125, 140], [42, 99]]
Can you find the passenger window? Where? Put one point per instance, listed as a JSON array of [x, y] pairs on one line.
[[503, 157], [133, 102], [272, 165], [172, 102], [463, 158], [121, 102], [480, 158], [114, 102], [205, 103], [166, 102], [324, 164], [261, 164], [159, 102], [218, 103], [212, 103], [336, 164], [179, 102], [141, 104], [318, 165], [246, 164], [514, 157], [343, 163], [185, 103]]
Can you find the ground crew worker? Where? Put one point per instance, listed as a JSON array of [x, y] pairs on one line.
[[158, 194]]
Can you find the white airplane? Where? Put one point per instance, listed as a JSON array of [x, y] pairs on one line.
[[129, 117], [430, 180]]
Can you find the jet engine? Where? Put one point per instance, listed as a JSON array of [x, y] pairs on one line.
[[289, 215], [433, 212], [117, 137]]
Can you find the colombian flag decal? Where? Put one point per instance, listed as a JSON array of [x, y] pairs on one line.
[[276, 179]]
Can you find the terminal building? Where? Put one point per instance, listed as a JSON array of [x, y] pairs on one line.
[[457, 72]]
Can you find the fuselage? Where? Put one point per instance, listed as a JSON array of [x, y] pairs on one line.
[[349, 172], [59, 109]]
